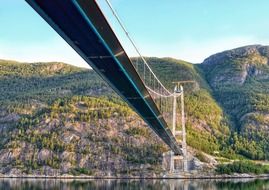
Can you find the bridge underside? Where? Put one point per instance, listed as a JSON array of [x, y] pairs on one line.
[[82, 24]]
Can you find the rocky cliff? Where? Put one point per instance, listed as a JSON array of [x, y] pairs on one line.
[[239, 79]]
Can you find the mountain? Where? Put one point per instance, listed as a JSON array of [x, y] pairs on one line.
[[239, 79], [59, 119]]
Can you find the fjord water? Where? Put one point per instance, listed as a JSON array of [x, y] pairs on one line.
[[171, 184]]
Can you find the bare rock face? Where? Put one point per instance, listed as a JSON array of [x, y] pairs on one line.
[[44, 155], [66, 156], [61, 146], [241, 52], [9, 117], [5, 157], [234, 67], [255, 122], [14, 172]]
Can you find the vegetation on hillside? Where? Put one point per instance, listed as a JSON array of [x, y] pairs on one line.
[[26, 86], [82, 135], [242, 167], [205, 118], [63, 111], [239, 82]]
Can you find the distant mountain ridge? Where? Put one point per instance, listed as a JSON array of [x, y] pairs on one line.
[[240, 52]]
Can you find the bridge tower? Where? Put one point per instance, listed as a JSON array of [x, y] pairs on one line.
[[178, 91], [179, 134]]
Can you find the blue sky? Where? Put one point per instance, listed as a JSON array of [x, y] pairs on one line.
[[189, 30]]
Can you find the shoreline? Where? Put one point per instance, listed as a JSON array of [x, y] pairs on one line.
[[237, 176]]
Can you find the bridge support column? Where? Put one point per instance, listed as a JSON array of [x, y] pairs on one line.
[[184, 144], [172, 162], [178, 91]]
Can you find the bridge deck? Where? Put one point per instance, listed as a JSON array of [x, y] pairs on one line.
[[82, 24]]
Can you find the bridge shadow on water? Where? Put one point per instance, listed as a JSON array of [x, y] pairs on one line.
[[158, 184]]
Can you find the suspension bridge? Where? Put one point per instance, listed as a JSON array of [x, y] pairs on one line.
[[83, 26]]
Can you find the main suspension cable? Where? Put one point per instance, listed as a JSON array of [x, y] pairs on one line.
[[135, 47]]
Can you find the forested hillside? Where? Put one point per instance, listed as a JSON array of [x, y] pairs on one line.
[[239, 79], [59, 119]]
